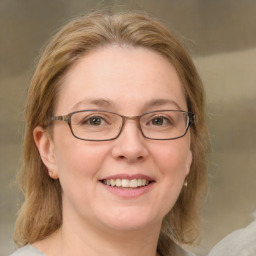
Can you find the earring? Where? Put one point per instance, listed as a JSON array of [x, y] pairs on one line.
[[185, 182]]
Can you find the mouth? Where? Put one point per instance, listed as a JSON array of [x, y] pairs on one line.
[[126, 183]]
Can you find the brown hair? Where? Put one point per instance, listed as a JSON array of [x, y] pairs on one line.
[[41, 213]]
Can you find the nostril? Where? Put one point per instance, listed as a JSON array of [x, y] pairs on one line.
[[130, 146]]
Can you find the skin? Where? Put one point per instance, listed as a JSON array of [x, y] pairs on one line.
[[126, 81]]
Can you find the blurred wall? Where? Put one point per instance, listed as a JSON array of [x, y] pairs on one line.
[[221, 36], [230, 81]]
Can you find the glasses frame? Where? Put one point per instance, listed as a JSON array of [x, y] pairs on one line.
[[67, 118]]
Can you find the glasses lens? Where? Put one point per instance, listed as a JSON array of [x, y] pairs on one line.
[[95, 125], [164, 124]]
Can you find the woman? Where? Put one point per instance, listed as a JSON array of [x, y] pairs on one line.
[[115, 142]]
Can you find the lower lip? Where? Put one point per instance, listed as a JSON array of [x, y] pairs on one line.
[[129, 192]]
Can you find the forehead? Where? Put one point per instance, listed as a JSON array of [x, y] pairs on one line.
[[122, 76]]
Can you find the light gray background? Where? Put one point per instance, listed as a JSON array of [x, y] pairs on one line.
[[221, 36]]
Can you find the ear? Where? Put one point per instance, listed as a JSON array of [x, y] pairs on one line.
[[189, 162], [45, 147]]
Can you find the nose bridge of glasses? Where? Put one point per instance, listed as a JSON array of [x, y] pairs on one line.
[[132, 118]]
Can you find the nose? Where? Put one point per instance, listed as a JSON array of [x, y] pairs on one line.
[[131, 144]]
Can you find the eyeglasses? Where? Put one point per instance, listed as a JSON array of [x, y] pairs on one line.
[[102, 125]]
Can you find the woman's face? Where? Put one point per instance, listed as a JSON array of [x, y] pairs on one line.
[[128, 81]]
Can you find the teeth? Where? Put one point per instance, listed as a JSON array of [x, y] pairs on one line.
[[125, 183], [118, 182], [112, 182], [133, 183], [139, 182]]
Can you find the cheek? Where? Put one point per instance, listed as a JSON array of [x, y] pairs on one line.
[[173, 158], [73, 156], [172, 162], [79, 158], [78, 164]]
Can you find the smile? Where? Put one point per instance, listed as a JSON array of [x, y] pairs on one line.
[[126, 183]]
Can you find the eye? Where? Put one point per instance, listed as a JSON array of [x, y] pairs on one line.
[[94, 121], [159, 121]]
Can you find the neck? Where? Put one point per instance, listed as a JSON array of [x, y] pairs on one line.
[[89, 240], [76, 239]]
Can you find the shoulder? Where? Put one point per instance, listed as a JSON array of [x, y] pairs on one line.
[[27, 250], [241, 242], [181, 252], [172, 248]]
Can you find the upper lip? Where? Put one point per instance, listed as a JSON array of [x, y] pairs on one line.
[[128, 176]]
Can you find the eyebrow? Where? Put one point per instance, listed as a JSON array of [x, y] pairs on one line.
[[104, 103], [97, 102], [162, 102]]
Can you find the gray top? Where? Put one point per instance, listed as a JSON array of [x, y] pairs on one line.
[[241, 242], [28, 250]]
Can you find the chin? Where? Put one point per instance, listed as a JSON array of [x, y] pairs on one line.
[[130, 219]]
